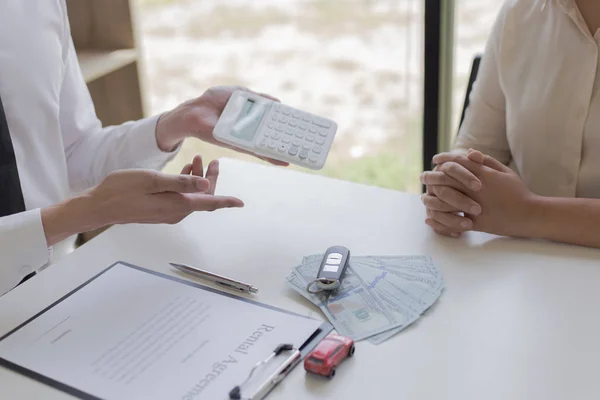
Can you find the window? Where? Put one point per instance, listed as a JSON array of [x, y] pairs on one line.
[[316, 360], [358, 62], [337, 349]]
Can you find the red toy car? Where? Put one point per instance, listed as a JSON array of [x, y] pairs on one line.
[[328, 354]]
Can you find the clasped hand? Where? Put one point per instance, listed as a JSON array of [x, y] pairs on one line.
[[475, 192]]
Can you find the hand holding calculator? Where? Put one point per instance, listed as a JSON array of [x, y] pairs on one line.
[[271, 129]]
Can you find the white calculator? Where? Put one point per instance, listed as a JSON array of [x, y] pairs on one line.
[[271, 129]]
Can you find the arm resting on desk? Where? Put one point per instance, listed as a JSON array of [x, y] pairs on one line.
[[509, 208], [568, 220]]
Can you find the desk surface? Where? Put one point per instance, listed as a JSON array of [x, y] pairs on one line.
[[518, 319]]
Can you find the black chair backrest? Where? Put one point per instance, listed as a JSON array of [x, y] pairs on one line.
[[472, 78]]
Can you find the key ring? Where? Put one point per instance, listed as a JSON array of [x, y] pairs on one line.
[[325, 282]]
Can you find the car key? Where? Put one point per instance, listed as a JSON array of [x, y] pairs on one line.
[[332, 269]]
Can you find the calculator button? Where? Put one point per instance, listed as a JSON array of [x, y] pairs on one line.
[[321, 122], [282, 147], [299, 135], [296, 142], [283, 119], [274, 117], [272, 144], [306, 118], [268, 133], [279, 128], [313, 159], [310, 138], [286, 139], [303, 126], [317, 149], [293, 151], [306, 146], [271, 125], [285, 111], [296, 114], [276, 135], [277, 107], [289, 131], [303, 154], [323, 133], [312, 130], [320, 141], [293, 123]]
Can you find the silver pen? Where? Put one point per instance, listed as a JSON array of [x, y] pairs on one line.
[[218, 279], [277, 376]]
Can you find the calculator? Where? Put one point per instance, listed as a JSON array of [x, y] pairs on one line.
[[271, 129]]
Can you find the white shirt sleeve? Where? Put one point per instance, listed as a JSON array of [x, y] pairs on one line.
[[93, 151], [18, 260], [484, 126]]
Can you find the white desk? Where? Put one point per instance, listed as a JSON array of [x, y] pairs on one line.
[[518, 320]]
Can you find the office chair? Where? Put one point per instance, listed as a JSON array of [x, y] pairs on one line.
[[472, 78]]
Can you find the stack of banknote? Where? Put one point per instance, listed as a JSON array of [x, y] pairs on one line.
[[379, 295]]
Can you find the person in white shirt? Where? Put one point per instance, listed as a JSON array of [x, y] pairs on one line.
[[57, 162], [526, 162]]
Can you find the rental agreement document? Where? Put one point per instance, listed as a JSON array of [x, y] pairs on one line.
[[130, 333]]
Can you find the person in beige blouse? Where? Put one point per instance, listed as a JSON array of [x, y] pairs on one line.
[[526, 162]]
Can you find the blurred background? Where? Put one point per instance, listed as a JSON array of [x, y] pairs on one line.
[[359, 62]]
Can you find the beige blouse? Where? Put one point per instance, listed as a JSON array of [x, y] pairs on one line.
[[536, 104]]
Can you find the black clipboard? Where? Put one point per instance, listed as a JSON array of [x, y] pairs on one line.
[[304, 349]]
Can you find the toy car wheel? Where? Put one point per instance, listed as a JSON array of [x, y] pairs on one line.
[[351, 351], [331, 373]]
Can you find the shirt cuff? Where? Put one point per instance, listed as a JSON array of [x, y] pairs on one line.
[[143, 134], [23, 246]]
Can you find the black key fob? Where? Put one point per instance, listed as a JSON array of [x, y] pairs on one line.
[[332, 269]]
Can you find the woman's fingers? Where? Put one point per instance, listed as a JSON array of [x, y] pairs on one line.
[[474, 168], [456, 199], [476, 156], [438, 178], [441, 229], [452, 174], [461, 174], [452, 221], [433, 203], [448, 189], [491, 162]]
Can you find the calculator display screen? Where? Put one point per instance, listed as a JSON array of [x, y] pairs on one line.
[[248, 121]]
